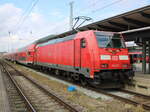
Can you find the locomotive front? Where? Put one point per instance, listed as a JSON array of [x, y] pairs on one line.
[[114, 61]]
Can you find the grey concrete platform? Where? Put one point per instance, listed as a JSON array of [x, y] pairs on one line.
[[141, 83], [4, 104], [142, 75]]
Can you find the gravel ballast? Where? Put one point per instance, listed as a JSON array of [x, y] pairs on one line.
[[91, 101]]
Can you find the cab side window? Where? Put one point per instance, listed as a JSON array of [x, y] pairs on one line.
[[83, 43]]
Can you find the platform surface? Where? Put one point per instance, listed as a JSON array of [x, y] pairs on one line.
[[143, 79], [142, 75], [141, 83], [4, 104]]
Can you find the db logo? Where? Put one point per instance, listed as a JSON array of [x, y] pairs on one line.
[[114, 57]]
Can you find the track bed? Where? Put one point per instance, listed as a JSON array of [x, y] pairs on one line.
[[37, 97]]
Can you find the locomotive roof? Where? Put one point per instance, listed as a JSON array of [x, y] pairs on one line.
[[52, 37], [44, 39]]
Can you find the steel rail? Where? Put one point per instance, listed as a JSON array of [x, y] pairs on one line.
[[135, 93], [27, 102], [126, 100], [53, 95]]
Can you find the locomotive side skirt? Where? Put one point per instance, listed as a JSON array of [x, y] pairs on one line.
[[84, 71]]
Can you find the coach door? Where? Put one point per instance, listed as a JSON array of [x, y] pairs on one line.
[[79, 45], [77, 54], [36, 55]]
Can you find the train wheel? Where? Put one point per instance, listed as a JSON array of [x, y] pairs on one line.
[[83, 81], [64, 74], [69, 78], [57, 72]]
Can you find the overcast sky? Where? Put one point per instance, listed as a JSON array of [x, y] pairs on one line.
[[52, 17]]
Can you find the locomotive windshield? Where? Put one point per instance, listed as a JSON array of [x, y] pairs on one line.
[[110, 41]]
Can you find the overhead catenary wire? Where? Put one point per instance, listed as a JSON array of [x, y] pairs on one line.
[[106, 6], [27, 14], [23, 15], [85, 8], [101, 8], [93, 11]]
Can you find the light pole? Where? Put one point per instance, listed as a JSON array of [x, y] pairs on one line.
[[9, 46], [71, 15]]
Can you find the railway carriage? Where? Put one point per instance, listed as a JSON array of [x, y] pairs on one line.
[[26, 55], [23, 55]]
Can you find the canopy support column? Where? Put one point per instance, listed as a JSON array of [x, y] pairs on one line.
[[144, 57], [149, 56]]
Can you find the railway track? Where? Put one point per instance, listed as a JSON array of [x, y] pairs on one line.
[[17, 100], [136, 99], [36, 97]]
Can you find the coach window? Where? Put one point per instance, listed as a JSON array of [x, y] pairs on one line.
[[83, 43]]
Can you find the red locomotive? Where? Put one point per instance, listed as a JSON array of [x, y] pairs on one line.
[[94, 57]]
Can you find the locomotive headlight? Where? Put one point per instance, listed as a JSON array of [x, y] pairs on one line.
[[105, 57], [123, 57]]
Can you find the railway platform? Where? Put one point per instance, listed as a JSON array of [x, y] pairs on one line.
[[141, 83], [4, 104]]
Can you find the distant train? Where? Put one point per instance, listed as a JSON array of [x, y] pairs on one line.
[[137, 57], [94, 57]]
